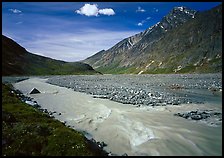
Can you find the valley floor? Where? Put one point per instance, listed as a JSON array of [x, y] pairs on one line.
[[127, 128]]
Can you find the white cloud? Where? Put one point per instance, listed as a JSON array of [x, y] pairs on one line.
[[16, 11], [140, 10], [140, 24], [88, 10], [92, 10], [107, 11]]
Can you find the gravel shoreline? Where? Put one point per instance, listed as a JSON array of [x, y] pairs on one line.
[[148, 90]]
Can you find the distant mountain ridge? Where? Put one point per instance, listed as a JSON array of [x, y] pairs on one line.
[[17, 61], [183, 41]]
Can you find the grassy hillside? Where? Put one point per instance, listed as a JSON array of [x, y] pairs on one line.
[[28, 132], [17, 61]]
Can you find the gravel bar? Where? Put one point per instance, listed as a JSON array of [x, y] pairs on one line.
[[147, 90]]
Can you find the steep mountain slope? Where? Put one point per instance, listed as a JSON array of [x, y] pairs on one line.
[[183, 41], [17, 61]]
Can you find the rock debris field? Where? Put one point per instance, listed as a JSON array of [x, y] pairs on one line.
[[146, 90], [153, 90]]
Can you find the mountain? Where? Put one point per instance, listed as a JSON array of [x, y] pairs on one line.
[[17, 61], [183, 41]]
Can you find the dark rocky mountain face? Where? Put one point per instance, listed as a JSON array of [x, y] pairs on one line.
[[17, 61], [176, 17], [183, 41]]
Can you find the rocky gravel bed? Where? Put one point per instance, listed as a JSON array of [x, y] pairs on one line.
[[149, 90], [211, 117]]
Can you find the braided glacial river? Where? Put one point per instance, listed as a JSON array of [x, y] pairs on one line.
[[132, 129]]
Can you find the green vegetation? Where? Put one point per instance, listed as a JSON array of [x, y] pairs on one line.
[[187, 69], [28, 131], [115, 68], [118, 70], [159, 71]]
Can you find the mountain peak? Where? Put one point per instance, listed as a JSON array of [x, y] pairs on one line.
[[184, 10], [177, 16], [181, 8]]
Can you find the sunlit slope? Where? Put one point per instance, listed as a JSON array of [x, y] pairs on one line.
[[183, 41]]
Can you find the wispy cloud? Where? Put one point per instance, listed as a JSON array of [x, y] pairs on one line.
[[20, 22], [155, 10], [140, 24], [92, 10], [15, 11], [72, 46], [140, 10], [143, 21]]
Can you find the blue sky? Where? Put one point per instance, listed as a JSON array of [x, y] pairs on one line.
[[73, 31]]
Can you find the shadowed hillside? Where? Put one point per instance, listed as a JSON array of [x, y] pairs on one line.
[[17, 61]]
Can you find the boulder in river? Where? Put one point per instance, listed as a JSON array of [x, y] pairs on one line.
[[34, 91]]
